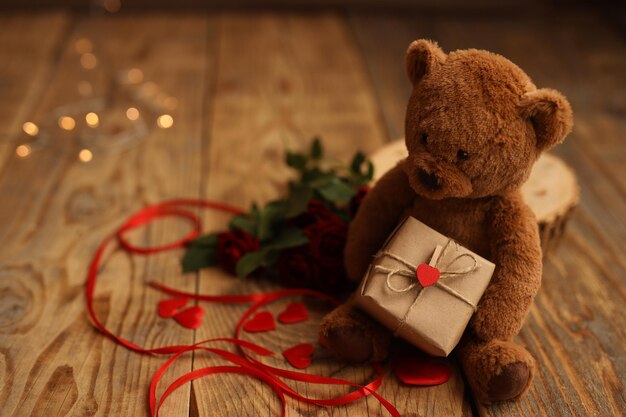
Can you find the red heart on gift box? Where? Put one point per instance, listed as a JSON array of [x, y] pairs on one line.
[[427, 275], [191, 317], [261, 322], [299, 356], [421, 370], [294, 313], [168, 308]]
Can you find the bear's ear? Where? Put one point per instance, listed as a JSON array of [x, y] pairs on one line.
[[421, 57], [550, 114]]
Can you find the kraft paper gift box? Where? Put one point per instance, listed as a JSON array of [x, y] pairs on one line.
[[432, 316]]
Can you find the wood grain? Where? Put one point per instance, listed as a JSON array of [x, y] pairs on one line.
[[27, 60], [575, 327], [250, 85], [57, 211]]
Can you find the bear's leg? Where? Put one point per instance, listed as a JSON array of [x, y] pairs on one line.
[[496, 370], [354, 336]]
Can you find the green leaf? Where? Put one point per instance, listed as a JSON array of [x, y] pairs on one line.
[[206, 241], [287, 238], [310, 174], [245, 222], [337, 191], [196, 258], [298, 199], [270, 217], [361, 169], [357, 162], [320, 179], [270, 252], [250, 262], [296, 160], [317, 150]]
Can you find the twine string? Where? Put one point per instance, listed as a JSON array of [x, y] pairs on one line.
[[408, 270]]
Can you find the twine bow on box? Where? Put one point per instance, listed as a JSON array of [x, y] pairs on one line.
[[426, 275]]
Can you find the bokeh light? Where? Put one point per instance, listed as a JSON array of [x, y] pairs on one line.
[[171, 103], [67, 123], [135, 76], [92, 119], [165, 121], [23, 151], [112, 6], [30, 129], [83, 46], [132, 113], [85, 155], [88, 61]]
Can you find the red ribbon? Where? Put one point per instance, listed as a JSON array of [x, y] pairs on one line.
[[242, 364]]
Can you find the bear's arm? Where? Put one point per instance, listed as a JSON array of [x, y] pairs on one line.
[[516, 251], [376, 218]]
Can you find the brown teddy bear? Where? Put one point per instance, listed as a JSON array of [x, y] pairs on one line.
[[475, 124]]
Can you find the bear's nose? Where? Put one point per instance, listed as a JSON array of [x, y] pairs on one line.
[[430, 180]]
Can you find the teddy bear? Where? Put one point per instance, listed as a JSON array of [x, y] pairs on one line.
[[475, 124]]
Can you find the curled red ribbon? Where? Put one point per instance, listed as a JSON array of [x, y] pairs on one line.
[[242, 364]]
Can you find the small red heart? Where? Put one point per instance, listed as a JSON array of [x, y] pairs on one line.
[[421, 370], [191, 317], [294, 313], [168, 308], [299, 356], [261, 322], [427, 275]]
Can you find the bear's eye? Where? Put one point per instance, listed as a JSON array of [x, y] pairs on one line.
[[462, 155], [424, 138]]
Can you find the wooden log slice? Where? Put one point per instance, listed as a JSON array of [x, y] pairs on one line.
[[551, 190]]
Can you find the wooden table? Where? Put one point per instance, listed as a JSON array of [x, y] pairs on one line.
[[249, 84]]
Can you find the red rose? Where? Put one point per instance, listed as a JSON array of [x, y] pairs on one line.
[[231, 246], [296, 268], [316, 210], [356, 201], [327, 240]]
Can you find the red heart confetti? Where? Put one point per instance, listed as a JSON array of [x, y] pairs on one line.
[[169, 308], [299, 356], [421, 370], [191, 317], [261, 322], [294, 313], [427, 275]]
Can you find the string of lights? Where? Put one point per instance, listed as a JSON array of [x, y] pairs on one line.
[[115, 109]]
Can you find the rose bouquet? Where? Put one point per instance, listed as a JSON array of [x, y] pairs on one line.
[[298, 240]]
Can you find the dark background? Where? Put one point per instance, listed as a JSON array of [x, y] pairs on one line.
[[613, 10]]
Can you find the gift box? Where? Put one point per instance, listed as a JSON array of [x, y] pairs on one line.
[[424, 286]]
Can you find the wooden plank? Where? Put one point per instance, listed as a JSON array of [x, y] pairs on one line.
[[26, 63], [26, 60], [56, 212], [283, 79], [574, 328], [384, 41], [599, 99]]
